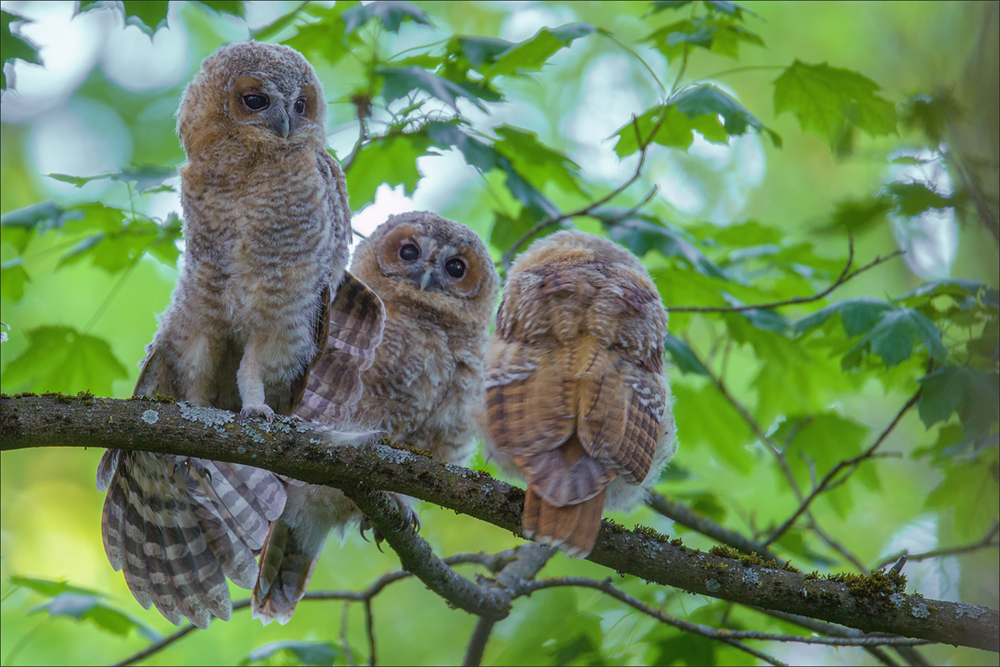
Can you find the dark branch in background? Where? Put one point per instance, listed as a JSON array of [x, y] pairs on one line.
[[985, 543], [492, 562], [550, 221], [851, 464], [294, 449], [687, 517], [844, 276]]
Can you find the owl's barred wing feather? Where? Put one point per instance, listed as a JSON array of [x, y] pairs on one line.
[[356, 324]]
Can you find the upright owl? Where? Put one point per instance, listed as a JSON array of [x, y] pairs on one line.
[[425, 387], [266, 226], [577, 399]]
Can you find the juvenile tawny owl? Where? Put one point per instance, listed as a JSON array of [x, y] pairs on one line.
[[425, 387], [577, 399], [266, 226]]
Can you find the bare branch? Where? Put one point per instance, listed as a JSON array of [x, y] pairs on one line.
[[984, 543], [477, 644], [297, 450], [844, 277], [850, 464]]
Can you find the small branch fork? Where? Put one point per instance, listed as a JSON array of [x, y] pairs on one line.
[[296, 451]]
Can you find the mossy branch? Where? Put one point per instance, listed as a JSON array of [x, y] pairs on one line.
[[871, 604]]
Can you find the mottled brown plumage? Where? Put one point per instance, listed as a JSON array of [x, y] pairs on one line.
[[577, 399], [424, 387], [266, 227]]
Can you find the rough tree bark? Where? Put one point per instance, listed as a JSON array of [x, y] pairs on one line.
[[870, 604]]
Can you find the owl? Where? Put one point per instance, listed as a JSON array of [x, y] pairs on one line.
[[577, 399], [266, 228], [424, 389]]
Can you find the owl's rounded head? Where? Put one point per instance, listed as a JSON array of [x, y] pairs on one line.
[[252, 94], [572, 246], [422, 259]]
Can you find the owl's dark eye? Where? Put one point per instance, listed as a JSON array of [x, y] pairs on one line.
[[300, 105], [409, 252], [455, 267], [255, 101]]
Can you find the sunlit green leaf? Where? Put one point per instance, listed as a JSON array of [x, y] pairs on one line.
[[825, 99], [640, 235], [50, 588], [531, 54], [478, 51], [858, 315], [536, 161], [391, 160], [894, 337], [12, 279], [712, 425], [21, 225], [62, 359], [720, 34], [88, 608]]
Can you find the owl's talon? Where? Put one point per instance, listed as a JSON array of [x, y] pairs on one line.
[[263, 410]]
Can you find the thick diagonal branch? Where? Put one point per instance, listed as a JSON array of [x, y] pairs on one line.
[[296, 450]]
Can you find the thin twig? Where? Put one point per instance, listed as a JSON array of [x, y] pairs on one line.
[[831, 630], [370, 631], [345, 614], [549, 221], [851, 463], [841, 279], [984, 543]]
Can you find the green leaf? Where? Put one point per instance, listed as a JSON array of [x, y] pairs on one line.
[[858, 315], [894, 336], [147, 15], [931, 114], [661, 5], [536, 161], [88, 608], [794, 542], [507, 230], [860, 215], [827, 99], [640, 234], [718, 34], [50, 588], [234, 7], [478, 51], [12, 279], [698, 108], [391, 160], [390, 14], [304, 653], [19, 226], [713, 424], [972, 491], [957, 288], [531, 54], [684, 357], [974, 394], [325, 38], [399, 81], [915, 198], [14, 46], [61, 359]]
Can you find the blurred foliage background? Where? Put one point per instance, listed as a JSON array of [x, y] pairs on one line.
[[775, 131]]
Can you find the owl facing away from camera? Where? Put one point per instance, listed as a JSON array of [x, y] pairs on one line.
[[266, 228], [577, 399], [425, 387]]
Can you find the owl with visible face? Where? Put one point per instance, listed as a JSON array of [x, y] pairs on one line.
[[425, 387], [266, 228], [578, 403]]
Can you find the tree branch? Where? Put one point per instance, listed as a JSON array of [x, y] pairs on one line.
[[297, 450], [984, 543], [851, 463]]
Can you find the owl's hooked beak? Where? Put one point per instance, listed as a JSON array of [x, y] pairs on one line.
[[427, 280], [277, 118]]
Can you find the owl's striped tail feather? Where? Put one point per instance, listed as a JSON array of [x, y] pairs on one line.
[[286, 566], [178, 526]]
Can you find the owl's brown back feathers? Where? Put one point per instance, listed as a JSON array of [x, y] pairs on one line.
[[576, 395]]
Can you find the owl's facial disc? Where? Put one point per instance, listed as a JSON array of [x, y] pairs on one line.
[[279, 112]]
